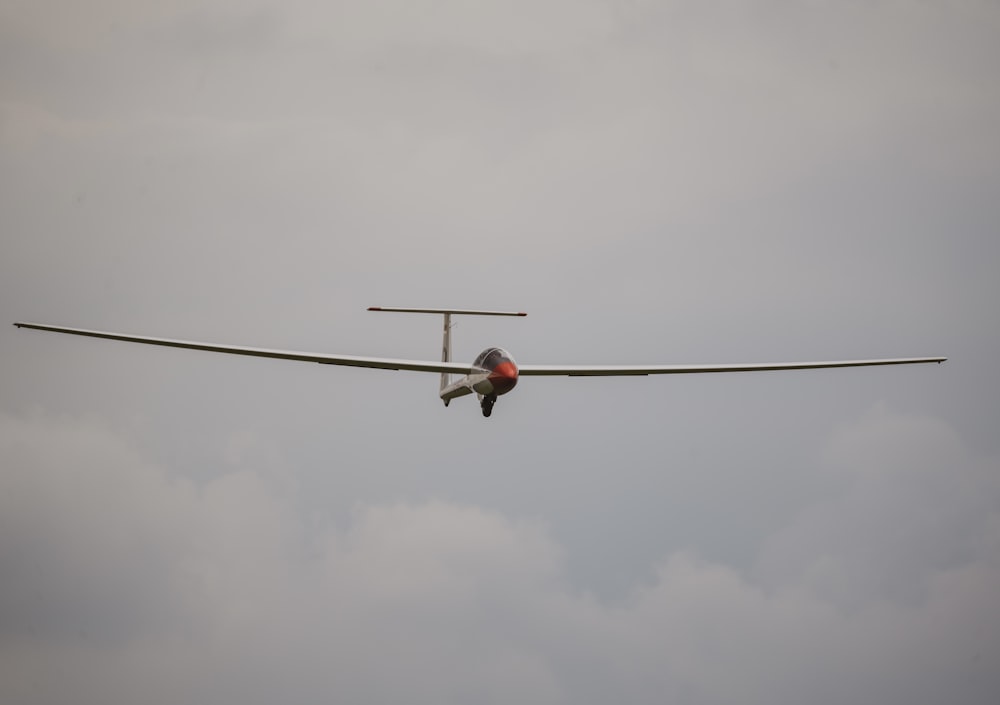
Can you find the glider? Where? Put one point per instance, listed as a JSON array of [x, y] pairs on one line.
[[492, 374]]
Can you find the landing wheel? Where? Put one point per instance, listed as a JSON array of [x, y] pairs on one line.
[[487, 404]]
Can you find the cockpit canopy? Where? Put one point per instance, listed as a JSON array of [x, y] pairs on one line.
[[491, 357]]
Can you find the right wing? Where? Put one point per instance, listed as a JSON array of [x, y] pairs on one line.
[[382, 363], [623, 370]]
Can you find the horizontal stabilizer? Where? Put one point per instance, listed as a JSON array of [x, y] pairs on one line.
[[458, 311]]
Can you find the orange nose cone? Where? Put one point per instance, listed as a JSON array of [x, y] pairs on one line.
[[503, 377]]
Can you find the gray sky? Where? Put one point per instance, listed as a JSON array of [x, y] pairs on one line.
[[653, 182]]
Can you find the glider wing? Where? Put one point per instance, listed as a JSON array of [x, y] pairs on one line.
[[461, 368], [624, 370], [382, 363]]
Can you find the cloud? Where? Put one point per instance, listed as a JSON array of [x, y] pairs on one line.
[[123, 581], [912, 504], [652, 180]]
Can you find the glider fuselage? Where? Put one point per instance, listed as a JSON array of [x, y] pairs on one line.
[[493, 373]]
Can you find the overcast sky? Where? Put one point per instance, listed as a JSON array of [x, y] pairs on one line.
[[674, 182]]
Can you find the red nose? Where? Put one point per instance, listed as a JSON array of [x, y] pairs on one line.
[[503, 377]]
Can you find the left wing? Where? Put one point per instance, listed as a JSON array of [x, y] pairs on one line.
[[383, 363], [623, 370]]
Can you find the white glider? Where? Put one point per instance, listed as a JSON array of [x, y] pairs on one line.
[[492, 374]]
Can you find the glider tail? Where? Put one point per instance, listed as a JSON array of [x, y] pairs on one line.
[[446, 353]]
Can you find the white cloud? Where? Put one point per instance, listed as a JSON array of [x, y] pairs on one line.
[[912, 503], [120, 580], [672, 181]]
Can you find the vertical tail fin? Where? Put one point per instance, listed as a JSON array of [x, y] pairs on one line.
[[446, 351]]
